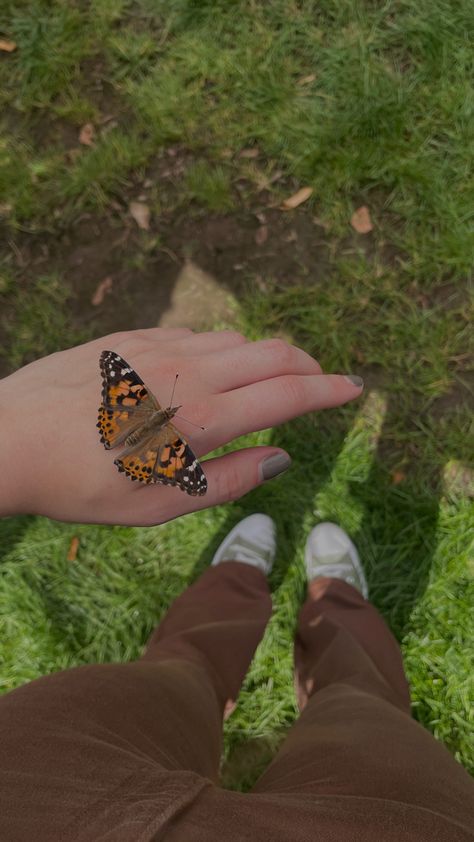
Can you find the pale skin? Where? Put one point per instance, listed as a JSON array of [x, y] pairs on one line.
[[53, 462]]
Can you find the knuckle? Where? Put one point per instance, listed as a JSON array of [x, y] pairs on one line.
[[229, 484], [199, 410], [280, 351], [234, 336]]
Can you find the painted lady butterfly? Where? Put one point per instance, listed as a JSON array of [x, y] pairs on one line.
[[130, 415]]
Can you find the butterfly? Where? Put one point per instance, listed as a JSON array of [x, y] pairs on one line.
[[130, 415]]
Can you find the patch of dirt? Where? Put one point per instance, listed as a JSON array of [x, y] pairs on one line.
[[227, 247], [460, 396], [212, 256]]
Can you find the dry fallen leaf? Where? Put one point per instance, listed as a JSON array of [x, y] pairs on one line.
[[252, 152], [398, 477], [361, 221], [103, 288], [7, 46], [297, 199], [141, 214], [306, 80], [73, 548], [261, 235], [87, 134]]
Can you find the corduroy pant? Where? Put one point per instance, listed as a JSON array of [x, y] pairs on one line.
[[130, 752]]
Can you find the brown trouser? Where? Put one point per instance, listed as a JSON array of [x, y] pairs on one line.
[[131, 751]]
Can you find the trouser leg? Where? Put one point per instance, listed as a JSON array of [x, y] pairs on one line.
[[355, 738], [119, 749]]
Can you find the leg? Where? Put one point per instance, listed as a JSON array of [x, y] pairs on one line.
[[355, 766], [355, 741], [120, 749]]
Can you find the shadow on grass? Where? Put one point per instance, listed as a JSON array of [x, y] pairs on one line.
[[397, 534]]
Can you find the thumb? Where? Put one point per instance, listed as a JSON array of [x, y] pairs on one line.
[[233, 475]]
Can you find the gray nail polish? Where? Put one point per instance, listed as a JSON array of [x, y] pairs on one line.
[[355, 380], [274, 465]]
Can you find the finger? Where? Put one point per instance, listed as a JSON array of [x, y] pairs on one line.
[[272, 402], [233, 475], [254, 361], [210, 342]]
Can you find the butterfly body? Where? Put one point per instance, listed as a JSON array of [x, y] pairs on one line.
[[156, 422], [130, 415]]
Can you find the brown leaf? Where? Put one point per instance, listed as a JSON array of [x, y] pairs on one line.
[[298, 198], [7, 46], [87, 135], [252, 152], [141, 214], [261, 235], [102, 289], [361, 221], [398, 477], [73, 548], [306, 80]]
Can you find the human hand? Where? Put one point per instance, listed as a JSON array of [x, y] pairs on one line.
[[54, 464]]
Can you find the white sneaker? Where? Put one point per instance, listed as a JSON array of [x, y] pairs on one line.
[[252, 541], [330, 552]]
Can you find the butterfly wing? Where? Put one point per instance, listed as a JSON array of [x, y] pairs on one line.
[[177, 465], [126, 402], [138, 462], [167, 459], [161, 457]]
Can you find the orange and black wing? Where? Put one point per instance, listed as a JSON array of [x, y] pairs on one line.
[[126, 402], [166, 462], [138, 462], [177, 465]]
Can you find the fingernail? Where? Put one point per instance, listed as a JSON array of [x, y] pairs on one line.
[[274, 465], [354, 380]]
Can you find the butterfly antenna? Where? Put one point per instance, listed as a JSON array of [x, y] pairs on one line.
[[180, 416], [189, 422], [174, 387]]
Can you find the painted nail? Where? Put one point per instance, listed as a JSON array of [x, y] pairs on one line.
[[354, 380], [274, 465]]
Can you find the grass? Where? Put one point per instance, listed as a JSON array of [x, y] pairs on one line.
[[368, 104]]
